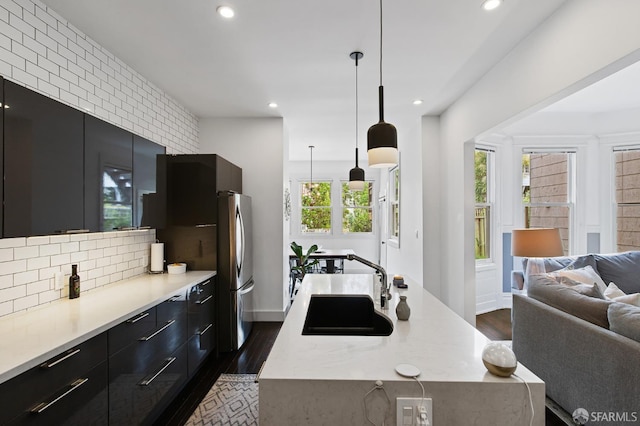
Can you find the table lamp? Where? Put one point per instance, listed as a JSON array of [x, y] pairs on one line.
[[535, 244]]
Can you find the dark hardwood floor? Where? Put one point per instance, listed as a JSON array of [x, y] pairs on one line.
[[495, 325]]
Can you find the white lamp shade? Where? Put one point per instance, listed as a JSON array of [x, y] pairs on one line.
[[536, 242], [356, 185], [383, 157]]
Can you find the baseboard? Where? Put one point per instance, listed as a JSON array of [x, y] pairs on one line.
[[269, 316], [507, 300]]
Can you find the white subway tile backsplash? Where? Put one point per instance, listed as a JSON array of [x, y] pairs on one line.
[[6, 281], [6, 308], [60, 259], [13, 267], [13, 293], [6, 254], [36, 241], [38, 262], [49, 249], [38, 287], [25, 252], [25, 277]]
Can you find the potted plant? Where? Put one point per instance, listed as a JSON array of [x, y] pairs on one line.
[[303, 263]]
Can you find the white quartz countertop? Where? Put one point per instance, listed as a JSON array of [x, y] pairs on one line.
[[32, 337], [441, 344]]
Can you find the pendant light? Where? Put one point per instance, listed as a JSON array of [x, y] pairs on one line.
[[356, 175], [382, 138]]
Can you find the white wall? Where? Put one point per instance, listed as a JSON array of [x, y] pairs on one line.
[[42, 51], [259, 146], [407, 258], [582, 42]]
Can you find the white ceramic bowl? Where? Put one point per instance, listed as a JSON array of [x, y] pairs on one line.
[[177, 268]]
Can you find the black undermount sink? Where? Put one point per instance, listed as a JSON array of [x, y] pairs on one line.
[[345, 315]]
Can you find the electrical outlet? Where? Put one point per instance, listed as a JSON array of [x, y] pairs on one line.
[[414, 412]]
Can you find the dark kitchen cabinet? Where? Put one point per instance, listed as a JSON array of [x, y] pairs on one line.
[[108, 180], [144, 180], [188, 186], [201, 326], [150, 365], [43, 164], [68, 389]]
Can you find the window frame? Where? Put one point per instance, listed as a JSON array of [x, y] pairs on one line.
[[394, 177], [370, 208], [614, 199], [490, 203], [301, 207], [571, 201]]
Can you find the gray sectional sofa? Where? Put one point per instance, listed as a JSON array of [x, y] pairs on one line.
[[584, 346]]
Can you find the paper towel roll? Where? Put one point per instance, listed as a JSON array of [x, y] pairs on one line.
[[157, 257]]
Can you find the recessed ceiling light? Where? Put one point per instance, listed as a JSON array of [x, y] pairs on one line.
[[491, 4], [417, 102], [273, 105], [225, 12]]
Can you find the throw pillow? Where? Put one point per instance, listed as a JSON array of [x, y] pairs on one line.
[[588, 290], [586, 275], [612, 291], [625, 320]]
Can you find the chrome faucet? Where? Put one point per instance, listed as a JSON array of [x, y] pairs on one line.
[[385, 294]]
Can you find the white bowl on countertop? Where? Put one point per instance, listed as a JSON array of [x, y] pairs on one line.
[[177, 268]]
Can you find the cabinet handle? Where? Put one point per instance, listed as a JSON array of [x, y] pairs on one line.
[[168, 362], [69, 354], [205, 225], [175, 298], [160, 330], [44, 405], [205, 300], [201, 333], [205, 283], [137, 318]]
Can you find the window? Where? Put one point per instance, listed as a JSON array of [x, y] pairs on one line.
[[484, 160], [548, 179], [357, 212], [394, 205], [627, 199], [315, 202]]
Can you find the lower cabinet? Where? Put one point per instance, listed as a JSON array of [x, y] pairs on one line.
[[201, 325], [125, 376], [69, 389]]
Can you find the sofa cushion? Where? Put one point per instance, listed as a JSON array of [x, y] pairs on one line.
[[586, 275], [621, 268], [566, 262], [625, 320], [612, 291], [547, 290]]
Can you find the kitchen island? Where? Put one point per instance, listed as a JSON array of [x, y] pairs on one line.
[[325, 380]]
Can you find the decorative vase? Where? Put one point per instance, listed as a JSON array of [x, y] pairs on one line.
[[402, 309]]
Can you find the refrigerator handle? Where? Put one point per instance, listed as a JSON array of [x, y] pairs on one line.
[[247, 290]]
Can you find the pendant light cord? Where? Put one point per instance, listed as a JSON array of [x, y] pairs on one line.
[[356, 109], [380, 42]]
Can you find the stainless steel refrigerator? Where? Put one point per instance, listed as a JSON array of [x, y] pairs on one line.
[[235, 270]]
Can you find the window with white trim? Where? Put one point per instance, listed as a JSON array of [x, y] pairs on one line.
[[315, 207], [394, 206], [357, 209], [484, 163], [627, 198], [548, 183]]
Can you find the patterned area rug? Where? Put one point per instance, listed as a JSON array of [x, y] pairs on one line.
[[232, 400]]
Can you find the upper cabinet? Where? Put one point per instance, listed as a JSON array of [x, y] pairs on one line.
[[108, 186], [43, 164], [188, 186], [65, 170], [144, 180]]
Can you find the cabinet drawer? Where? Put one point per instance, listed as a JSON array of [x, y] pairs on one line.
[[139, 396], [200, 345], [200, 308], [23, 392], [131, 330], [173, 308]]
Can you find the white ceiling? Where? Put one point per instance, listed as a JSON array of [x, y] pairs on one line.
[[296, 53]]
